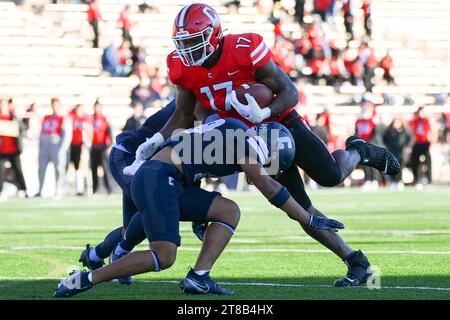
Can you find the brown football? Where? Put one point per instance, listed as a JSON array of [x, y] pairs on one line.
[[259, 91]]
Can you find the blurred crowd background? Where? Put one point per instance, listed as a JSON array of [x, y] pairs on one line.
[[75, 73]]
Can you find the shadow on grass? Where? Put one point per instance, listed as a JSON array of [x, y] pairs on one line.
[[295, 288]]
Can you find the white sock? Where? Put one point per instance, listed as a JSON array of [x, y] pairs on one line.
[[93, 256], [90, 277], [80, 182], [201, 272], [119, 250]]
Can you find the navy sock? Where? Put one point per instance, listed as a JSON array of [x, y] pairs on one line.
[[134, 233], [104, 249]]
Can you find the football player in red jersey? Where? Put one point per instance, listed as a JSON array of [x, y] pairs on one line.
[[79, 137], [207, 66]]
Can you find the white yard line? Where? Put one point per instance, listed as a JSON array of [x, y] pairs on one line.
[[261, 284], [265, 284], [418, 252]]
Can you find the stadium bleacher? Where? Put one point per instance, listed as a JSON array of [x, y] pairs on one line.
[[48, 51]]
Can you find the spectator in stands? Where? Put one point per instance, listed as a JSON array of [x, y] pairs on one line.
[[386, 63], [144, 6], [94, 16], [233, 6], [398, 139], [101, 141], [79, 137], [299, 11], [338, 72], [444, 128], [124, 22], [26, 118], [366, 129], [321, 7], [11, 147], [321, 127], [283, 55], [144, 94], [421, 129], [349, 12], [125, 54], [137, 119], [367, 11], [111, 62], [440, 99], [369, 62], [54, 142]]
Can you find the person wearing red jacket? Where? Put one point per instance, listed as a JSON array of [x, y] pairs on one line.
[[367, 11], [93, 17], [366, 129], [79, 133], [54, 143], [10, 150], [101, 140], [124, 22], [421, 129]]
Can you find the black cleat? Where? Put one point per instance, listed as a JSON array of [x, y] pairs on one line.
[[374, 156], [195, 284], [91, 265], [358, 270]]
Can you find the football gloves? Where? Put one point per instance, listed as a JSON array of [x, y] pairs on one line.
[[148, 148], [318, 222], [250, 111]]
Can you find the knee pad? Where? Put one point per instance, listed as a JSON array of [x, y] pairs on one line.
[[155, 261], [226, 225]]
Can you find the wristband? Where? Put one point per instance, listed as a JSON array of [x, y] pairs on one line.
[[281, 197], [158, 138]]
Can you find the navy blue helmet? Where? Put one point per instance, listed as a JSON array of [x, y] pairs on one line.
[[280, 143]]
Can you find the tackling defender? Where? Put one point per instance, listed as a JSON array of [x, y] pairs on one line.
[[159, 184], [207, 66], [122, 240]]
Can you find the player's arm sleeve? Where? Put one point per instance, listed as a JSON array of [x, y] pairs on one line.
[[259, 51], [174, 68]]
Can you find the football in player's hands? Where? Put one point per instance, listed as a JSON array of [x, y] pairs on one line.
[[262, 94]]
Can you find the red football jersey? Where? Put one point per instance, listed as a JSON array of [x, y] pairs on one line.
[[101, 130], [365, 129], [421, 129], [77, 129], [242, 55], [52, 125], [8, 145]]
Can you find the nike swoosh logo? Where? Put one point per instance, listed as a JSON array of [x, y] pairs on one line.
[[385, 167], [233, 73], [203, 288], [352, 281]]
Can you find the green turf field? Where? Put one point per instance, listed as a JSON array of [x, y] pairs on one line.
[[405, 234]]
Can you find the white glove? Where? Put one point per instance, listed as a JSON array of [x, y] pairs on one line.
[[131, 169], [148, 148], [251, 111]]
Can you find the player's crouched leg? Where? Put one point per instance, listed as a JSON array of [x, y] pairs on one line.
[[224, 215]]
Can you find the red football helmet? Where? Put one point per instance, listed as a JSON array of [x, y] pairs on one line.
[[196, 33]]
